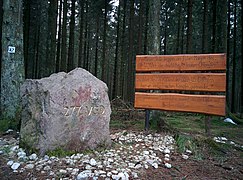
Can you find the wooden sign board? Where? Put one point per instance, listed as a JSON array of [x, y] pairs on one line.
[[184, 62], [202, 73]]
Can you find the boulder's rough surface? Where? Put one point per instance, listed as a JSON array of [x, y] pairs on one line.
[[70, 111]]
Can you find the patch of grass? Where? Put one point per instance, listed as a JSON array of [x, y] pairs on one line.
[[59, 152], [184, 142], [116, 124], [128, 124], [202, 146], [6, 149], [195, 124], [6, 124]]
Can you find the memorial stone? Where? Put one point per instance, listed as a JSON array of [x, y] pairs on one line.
[[70, 111]]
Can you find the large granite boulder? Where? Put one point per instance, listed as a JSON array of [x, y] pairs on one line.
[[70, 111]]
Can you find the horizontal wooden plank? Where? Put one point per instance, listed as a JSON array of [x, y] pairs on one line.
[[210, 82], [207, 104], [183, 62]]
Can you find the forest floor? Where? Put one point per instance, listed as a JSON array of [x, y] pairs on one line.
[[209, 159]]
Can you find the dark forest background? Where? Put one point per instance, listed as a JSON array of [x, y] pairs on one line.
[[104, 36]]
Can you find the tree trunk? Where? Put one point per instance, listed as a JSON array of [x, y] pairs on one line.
[[97, 45], [70, 65], [52, 26], [221, 27], [30, 44], [214, 25], [88, 63], [123, 51], [154, 27], [178, 28], [189, 27], [12, 68], [81, 24], [145, 48], [241, 58], [234, 91], [131, 56], [1, 24], [141, 27], [26, 21], [154, 44], [58, 61], [42, 39], [104, 60], [205, 27], [64, 39], [115, 80], [165, 32], [36, 38], [229, 80], [85, 60]]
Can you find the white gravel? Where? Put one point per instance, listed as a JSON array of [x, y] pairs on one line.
[[130, 154]]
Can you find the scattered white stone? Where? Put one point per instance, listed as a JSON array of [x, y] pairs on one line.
[[155, 165], [69, 169], [167, 151], [138, 166], [102, 172], [15, 166], [228, 120], [115, 177], [10, 163], [84, 175], [126, 175], [135, 175], [122, 176], [29, 166], [47, 168], [224, 139], [1, 152], [51, 173], [75, 171], [167, 155], [46, 157], [14, 148], [88, 167], [21, 154], [9, 131], [166, 159], [114, 172], [188, 151], [184, 156], [146, 152], [109, 174], [146, 166], [92, 162], [33, 157], [168, 165], [62, 171]]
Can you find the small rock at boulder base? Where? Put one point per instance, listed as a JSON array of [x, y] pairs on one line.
[[15, 166], [70, 111], [168, 165]]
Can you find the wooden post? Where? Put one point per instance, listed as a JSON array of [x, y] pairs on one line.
[[147, 113], [208, 125]]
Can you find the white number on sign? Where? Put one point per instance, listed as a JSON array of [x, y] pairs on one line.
[[11, 49]]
